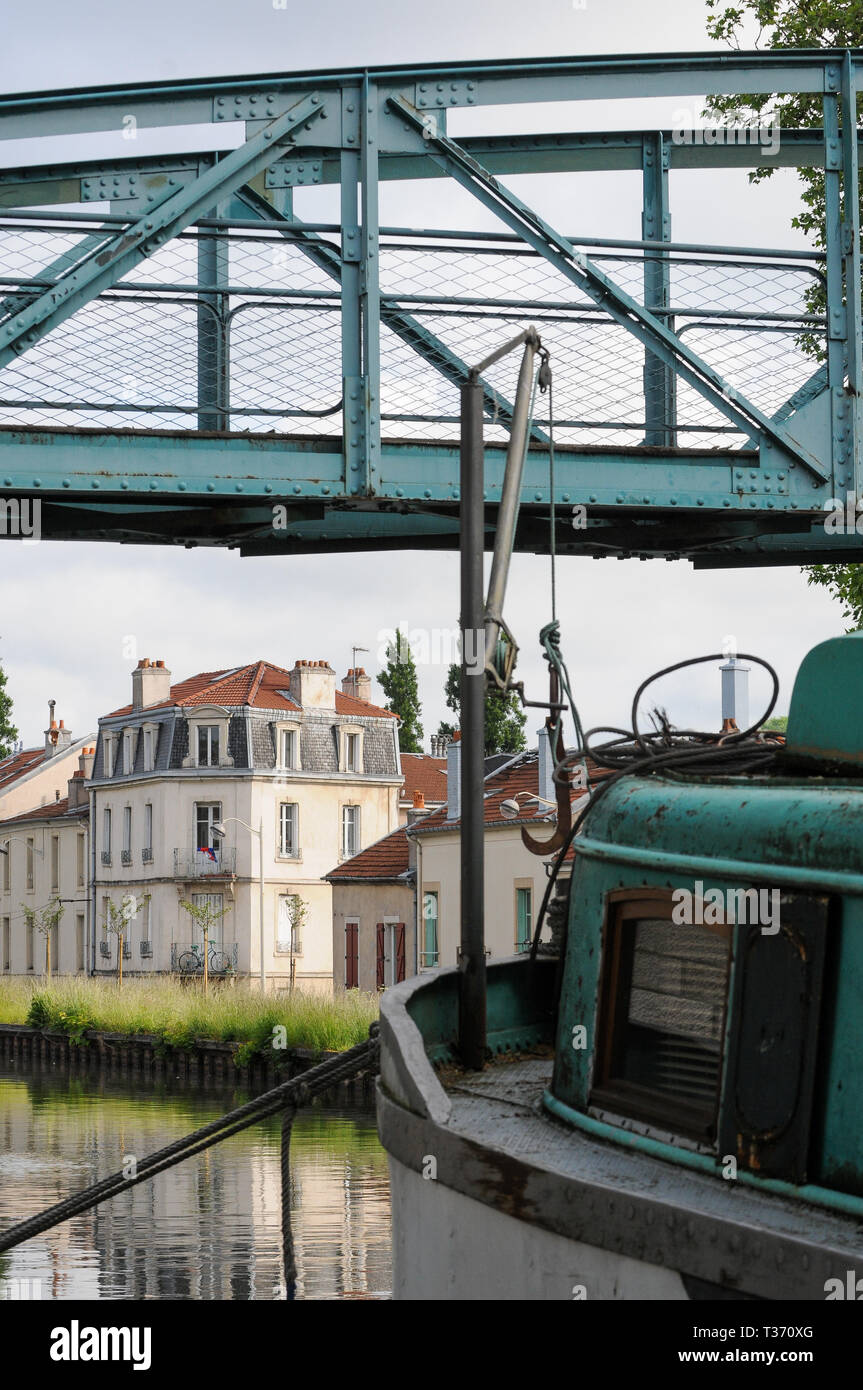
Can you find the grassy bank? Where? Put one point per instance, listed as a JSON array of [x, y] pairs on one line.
[[179, 1015]]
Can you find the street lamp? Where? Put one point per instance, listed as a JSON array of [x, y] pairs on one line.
[[220, 832], [510, 809]]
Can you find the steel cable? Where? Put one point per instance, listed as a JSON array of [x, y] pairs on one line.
[[364, 1057]]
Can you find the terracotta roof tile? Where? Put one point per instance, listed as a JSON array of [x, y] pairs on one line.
[[387, 859], [16, 764], [424, 774], [260, 685], [521, 776], [50, 811]]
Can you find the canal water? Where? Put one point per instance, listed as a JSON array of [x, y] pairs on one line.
[[206, 1229]]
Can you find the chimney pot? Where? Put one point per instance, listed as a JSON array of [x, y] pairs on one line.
[[419, 799]]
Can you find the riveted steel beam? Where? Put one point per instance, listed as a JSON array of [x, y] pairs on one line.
[[576, 266], [112, 260]]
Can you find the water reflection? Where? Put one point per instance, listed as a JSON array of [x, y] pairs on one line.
[[207, 1229]]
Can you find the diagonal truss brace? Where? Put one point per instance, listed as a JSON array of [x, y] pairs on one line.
[[573, 264], [404, 325], [133, 244]]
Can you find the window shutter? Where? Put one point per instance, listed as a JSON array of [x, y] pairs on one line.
[[400, 951], [381, 955], [351, 956]]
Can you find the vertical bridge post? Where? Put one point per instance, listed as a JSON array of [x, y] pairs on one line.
[[471, 997]]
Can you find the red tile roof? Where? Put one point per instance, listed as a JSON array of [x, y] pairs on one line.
[[16, 764], [424, 774], [503, 785], [387, 859], [260, 685], [50, 811]]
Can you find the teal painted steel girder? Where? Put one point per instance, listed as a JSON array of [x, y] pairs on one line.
[[104, 266], [559, 152], [602, 289], [713, 505], [497, 82]]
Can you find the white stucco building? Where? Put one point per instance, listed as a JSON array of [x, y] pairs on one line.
[[299, 773]]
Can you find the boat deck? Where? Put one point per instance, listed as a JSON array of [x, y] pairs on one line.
[[632, 1202]]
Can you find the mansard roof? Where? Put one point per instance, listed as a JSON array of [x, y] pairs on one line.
[[259, 685]]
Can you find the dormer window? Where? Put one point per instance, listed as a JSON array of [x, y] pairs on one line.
[[208, 745], [150, 736], [350, 748], [287, 747], [109, 754], [208, 738], [130, 743]]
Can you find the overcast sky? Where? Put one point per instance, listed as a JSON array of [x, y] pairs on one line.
[[75, 618]]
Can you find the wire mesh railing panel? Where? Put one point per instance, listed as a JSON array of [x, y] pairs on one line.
[[223, 329]]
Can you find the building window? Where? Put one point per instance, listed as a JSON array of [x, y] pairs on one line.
[[109, 754], [289, 933], [7, 867], [350, 831], [148, 834], [350, 749], [523, 918], [126, 856], [289, 845], [207, 814], [81, 861], [55, 863], [208, 745], [289, 750], [352, 752], [80, 942], [130, 740], [29, 866], [106, 835], [216, 920], [7, 944], [30, 944], [663, 1001], [150, 734], [430, 953]]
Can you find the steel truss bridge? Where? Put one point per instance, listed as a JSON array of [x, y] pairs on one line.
[[199, 362]]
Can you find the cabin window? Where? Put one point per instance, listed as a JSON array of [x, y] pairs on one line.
[[664, 996]]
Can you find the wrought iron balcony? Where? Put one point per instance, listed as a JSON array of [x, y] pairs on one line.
[[147, 856], [188, 959], [200, 863], [125, 856]]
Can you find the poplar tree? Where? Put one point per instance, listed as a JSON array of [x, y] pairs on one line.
[[8, 732], [399, 683]]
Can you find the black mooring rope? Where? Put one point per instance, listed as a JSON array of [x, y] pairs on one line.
[[287, 1098]]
